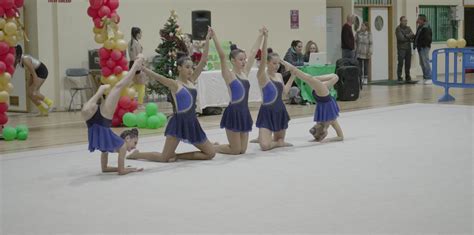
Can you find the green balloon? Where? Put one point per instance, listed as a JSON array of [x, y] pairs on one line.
[[141, 120], [129, 119], [162, 119], [151, 109], [23, 135], [21, 128], [153, 122], [9, 133]]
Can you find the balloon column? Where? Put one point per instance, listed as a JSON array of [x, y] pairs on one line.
[[11, 31], [113, 62]]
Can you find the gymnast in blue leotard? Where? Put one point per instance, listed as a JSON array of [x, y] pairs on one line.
[[98, 113], [236, 118], [327, 110], [273, 118], [183, 125]]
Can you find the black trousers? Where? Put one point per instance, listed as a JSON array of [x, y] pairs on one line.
[[404, 57]]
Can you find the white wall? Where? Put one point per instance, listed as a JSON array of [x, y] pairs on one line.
[[65, 30]]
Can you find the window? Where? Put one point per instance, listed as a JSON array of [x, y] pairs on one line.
[[442, 24]]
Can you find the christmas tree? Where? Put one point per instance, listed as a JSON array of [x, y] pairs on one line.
[[168, 50]]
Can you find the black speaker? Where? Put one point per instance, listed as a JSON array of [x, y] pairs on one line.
[[200, 21], [94, 60]]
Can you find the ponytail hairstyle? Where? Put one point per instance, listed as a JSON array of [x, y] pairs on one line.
[[135, 32], [132, 133], [234, 51], [18, 55]]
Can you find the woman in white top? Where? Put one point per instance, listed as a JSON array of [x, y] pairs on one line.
[[134, 49], [38, 73]]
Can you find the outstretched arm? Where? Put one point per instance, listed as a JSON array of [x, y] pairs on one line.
[[262, 78], [170, 83], [253, 52], [205, 54], [288, 84], [225, 71]]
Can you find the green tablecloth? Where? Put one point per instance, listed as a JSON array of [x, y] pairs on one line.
[[315, 70]]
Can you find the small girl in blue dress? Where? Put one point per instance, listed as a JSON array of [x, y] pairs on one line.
[[183, 125], [98, 113], [327, 110]]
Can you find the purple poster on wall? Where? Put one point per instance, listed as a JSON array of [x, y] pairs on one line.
[[294, 19]]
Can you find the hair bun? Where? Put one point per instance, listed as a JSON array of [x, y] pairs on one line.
[[233, 47]]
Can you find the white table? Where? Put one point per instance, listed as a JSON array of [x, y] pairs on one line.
[[212, 91]]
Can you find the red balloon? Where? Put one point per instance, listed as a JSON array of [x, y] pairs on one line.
[[3, 67], [96, 4], [104, 53], [123, 61], [103, 63], [122, 112], [115, 17], [98, 23], [124, 102], [10, 69], [3, 107], [133, 106], [106, 71], [104, 11], [124, 67], [113, 4], [12, 50], [116, 55], [92, 12], [118, 70], [3, 118], [9, 59], [110, 64], [18, 3], [10, 13], [2, 11], [4, 48], [116, 121], [7, 4]]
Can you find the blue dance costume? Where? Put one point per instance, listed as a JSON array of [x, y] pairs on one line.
[[326, 108], [272, 114], [101, 136], [237, 116], [184, 124]]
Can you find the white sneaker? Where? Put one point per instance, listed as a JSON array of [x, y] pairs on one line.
[[427, 82]]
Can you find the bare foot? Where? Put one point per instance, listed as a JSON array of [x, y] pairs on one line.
[[255, 141], [129, 170], [133, 155]]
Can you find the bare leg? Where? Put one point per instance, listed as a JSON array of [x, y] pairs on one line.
[[90, 107], [266, 140], [207, 152], [234, 146], [37, 83], [244, 138], [279, 137], [168, 155]]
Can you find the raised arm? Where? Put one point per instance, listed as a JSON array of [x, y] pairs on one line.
[[226, 74], [262, 78], [253, 52], [170, 83], [288, 84], [203, 61]]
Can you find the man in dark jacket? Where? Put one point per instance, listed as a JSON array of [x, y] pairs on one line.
[[423, 46], [404, 38], [347, 39]]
